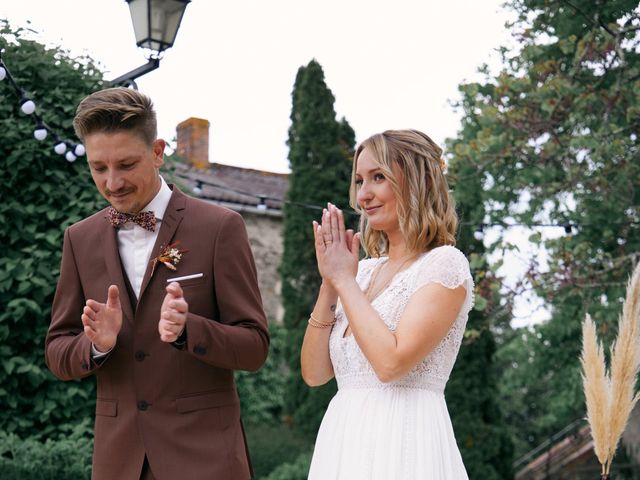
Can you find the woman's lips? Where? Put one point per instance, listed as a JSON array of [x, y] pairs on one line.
[[371, 210]]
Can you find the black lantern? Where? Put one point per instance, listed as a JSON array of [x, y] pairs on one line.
[[155, 24]]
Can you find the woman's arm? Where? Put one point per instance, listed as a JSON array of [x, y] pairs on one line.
[[431, 310], [424, 323], [314, 357]]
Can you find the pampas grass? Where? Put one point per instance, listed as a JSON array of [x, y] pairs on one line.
[[596, 389], [610, 396]]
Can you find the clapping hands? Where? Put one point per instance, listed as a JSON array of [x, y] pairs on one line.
[[103, 321], [337, 249]]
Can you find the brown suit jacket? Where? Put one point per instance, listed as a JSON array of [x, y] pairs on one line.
[[178, 407]]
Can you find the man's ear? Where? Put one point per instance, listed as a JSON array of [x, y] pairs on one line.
[[158, 151]]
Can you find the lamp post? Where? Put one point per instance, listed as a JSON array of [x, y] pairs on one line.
[[155, 24]]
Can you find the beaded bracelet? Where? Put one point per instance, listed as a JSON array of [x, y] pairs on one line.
[[318, 324]]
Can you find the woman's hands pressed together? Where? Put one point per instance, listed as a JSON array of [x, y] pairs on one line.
[[337, 249]]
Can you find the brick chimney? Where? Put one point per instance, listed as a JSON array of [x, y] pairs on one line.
[[193, 142]]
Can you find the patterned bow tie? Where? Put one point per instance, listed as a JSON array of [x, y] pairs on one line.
[[146, 220]]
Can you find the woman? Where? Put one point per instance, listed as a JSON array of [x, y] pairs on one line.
[[389, 327]]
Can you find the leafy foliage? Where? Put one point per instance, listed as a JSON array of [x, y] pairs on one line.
[[553, 138], [66, 458], [262, 392], [296, 470], [320, 148], [472, 390], [44, 194], [273, 445]]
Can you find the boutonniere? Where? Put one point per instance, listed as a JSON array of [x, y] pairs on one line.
[[169, 256]]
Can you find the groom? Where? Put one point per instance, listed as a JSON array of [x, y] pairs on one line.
[[158, 299]]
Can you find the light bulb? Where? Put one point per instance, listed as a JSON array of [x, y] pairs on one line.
[[3, 73], [40, 133], [70, 156], [60, 148], [79, 150], [28, 106]]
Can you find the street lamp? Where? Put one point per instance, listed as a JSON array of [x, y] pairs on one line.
[[155, 24]]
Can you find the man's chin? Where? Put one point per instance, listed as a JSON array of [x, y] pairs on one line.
[[122, 207]]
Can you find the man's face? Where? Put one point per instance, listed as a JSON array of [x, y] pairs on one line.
[[124, 168]]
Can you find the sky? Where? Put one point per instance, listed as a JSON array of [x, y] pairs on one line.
[[389, 64]]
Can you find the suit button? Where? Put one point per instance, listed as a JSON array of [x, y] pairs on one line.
[[139, 355], [199, 350], [142, 405], [84, 365]]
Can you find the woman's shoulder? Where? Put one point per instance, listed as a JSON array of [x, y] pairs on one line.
[[445, 253], [445, 265]]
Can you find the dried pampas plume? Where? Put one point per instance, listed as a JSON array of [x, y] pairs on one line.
[[596, 389], [610, 397]]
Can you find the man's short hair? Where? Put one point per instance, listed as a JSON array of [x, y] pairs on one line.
[[116, 110]]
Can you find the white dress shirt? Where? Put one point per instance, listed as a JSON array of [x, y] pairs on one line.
[[135, 244]]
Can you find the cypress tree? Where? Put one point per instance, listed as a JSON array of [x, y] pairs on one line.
[[320, 151]]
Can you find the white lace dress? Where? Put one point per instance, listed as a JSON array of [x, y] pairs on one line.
[[399, 430]]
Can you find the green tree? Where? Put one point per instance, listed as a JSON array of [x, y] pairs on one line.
[[320, 149], [553, 138], [43, 194], [472, 390]]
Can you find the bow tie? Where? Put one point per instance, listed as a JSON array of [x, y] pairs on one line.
[[146, 220]]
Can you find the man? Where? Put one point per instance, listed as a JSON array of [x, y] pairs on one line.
[[160, 306]]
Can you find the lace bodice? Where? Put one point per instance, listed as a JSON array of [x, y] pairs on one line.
[[444, 265]]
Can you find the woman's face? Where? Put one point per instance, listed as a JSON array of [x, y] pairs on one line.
[[375, 195]]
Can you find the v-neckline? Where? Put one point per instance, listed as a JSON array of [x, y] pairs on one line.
[[379, 294]]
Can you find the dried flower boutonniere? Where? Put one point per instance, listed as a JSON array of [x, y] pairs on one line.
[[170, 256]]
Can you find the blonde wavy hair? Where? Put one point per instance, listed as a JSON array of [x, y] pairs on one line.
[[413, 165]]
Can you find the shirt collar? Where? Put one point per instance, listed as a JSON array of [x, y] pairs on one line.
[[160, 202]]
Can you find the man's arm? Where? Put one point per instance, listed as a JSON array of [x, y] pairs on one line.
[[239, 339], [67, 348]]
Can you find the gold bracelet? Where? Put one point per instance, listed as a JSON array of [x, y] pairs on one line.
[[318, 324]]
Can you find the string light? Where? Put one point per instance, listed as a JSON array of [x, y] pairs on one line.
[[41, 130], [60, 147], [79, 150], [478, 234], [27, 105], [198, 188]]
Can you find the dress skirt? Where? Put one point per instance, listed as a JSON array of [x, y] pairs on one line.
[[396, 433]]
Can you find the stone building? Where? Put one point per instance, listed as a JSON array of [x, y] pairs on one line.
[[255, 194]]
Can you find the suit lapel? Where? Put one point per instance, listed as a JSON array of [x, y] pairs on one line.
[[114, 268], [170, 222]]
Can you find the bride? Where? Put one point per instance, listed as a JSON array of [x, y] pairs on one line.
[[389, 327]]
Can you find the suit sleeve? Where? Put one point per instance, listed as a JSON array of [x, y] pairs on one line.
[[239, 340], [67, 349]]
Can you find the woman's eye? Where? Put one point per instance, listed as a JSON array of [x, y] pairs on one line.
[[378, 177], [358, 183]]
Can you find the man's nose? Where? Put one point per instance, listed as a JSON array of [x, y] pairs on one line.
[[114, 181]]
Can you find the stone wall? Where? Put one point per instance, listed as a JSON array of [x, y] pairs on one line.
[[265, 235]]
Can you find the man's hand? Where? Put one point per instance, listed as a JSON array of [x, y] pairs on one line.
[[173, 314], [103, 321]]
